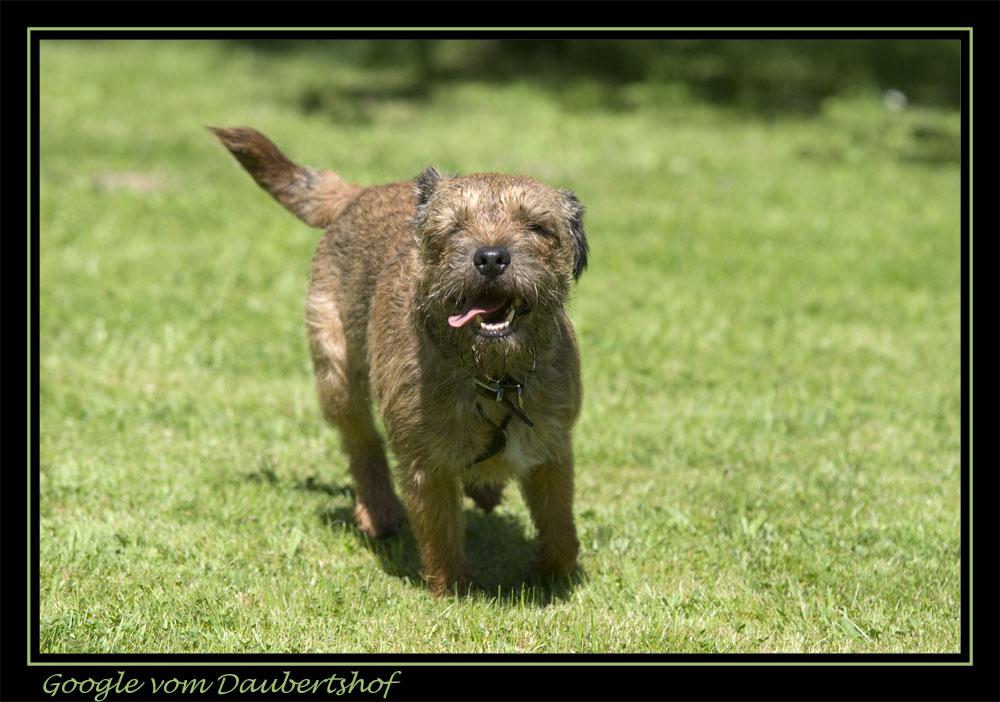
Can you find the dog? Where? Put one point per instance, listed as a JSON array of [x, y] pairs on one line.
[[445, 297]]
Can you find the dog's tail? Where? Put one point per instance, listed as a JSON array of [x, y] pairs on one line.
[[315, 196]]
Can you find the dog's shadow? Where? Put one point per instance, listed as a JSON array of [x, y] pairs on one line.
[[497, 546]]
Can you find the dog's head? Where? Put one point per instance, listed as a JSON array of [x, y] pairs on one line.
[[498, 255]]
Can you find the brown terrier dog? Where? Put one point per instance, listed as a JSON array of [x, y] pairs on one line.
[[446, 297]]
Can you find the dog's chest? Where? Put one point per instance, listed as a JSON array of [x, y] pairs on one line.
[[522, 450], [505, 445]]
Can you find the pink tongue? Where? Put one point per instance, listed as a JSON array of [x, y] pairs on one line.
[[484, 305]]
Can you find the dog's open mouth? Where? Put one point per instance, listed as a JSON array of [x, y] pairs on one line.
[[492, 315]]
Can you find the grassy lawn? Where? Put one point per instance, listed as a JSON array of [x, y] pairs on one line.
[[769, 453]]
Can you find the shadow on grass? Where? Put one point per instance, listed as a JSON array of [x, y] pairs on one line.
[[496, 543], [498, 554]]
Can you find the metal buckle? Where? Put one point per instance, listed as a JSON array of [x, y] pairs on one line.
[[498, 390], [491, 387]]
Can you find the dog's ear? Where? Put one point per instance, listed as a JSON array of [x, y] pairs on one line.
[[574, 218], [427, 183]]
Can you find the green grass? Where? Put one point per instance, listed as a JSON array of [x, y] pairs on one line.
[[768, 456]]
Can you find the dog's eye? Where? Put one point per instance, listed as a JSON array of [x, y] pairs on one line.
[[539, 230]]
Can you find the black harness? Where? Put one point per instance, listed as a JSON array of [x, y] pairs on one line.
[[502, 392]]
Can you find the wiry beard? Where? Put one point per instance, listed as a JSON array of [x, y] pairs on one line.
[[512, 357], [506, 358]]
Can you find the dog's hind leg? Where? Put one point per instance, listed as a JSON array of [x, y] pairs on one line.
[[486, 497], [342, 386]]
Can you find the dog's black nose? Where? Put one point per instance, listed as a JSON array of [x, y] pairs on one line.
[[491, 260]]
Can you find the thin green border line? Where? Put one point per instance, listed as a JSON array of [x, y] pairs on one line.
[[514, 663], [29, 608], [970, 384], [453, 30], [518, 663]]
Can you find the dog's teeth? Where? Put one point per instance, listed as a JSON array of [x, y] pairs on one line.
[[495, 326]]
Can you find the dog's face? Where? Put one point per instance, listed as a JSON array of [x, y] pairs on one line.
[[498, 255]]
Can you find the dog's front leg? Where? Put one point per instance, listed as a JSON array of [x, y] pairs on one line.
[[548, 492], [434, 504]]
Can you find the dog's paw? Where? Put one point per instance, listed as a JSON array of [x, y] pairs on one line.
[[445, 585], [452, 587], [379, 521], [552, 565]]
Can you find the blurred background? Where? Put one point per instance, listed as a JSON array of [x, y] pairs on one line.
[[769, 76], [761, 76]]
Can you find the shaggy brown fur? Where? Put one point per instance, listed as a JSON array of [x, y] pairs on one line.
[[423, 292]]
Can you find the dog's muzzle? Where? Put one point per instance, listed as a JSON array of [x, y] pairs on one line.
[[491, 314]]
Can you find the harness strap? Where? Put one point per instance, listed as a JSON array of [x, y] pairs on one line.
[[499, 442], [500, 392]]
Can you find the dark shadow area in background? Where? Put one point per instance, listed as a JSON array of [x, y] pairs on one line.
[[766, 77]]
